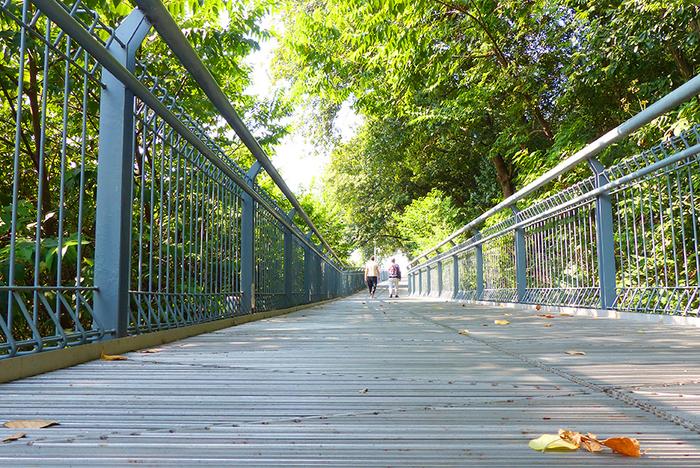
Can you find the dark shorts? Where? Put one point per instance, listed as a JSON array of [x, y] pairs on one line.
[[371, 283]]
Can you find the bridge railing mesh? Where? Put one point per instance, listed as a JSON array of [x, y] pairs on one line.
[[126, 208]]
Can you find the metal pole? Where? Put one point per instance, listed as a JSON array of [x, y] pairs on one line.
[[455, 276], [248, 244], [604, 239], [439, 278], [479, 261], [114, 180], [520, 260]]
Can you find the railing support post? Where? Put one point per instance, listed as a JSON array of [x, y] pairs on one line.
[[439, 278], [289, 263], [479, 261], [605, 239], [308, 270], [455, 276], [114, 182], [429, 285], [520, 260], [248, 245]]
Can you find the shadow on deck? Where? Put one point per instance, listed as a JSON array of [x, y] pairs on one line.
[[373, 383]]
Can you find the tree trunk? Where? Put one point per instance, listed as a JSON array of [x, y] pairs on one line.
[[504, 176]]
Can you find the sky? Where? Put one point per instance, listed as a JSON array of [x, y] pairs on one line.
[[296, 158]]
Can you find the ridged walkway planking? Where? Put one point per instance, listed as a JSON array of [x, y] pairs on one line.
[[372, 383]]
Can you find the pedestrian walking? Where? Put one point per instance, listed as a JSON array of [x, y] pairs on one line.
[[372, 275], [394, 278]]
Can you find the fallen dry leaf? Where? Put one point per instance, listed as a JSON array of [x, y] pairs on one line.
[[15, 436], [572, 440], [566, 314], [623, 445], [30, 423], [570, 436], [364, 390], [501, 322], [113, 357], [151, 350], [591, 443], [464, 332], [575, 353], [549, 316], [538, 307], [547, 324]]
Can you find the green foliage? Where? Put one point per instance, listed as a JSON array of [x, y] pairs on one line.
[[479, 97], [427, 220]]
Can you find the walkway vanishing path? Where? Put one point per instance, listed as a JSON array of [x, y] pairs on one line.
[[372, 383]]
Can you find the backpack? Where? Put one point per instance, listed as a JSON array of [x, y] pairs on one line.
[[394, 271]]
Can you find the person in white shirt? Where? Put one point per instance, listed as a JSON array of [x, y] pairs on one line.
[[372, 275]]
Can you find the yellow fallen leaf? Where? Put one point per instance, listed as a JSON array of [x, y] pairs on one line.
[[566, 314], [30, 423], [551, 442], [575, 353], [623, 445], [113, 357], [464, 332], [501, 322], [15, 436]]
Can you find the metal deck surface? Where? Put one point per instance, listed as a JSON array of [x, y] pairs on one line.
[[373, 383]]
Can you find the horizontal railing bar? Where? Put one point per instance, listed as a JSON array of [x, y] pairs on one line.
[[60, 17], [663, 105], [686, 153], [173, 36]]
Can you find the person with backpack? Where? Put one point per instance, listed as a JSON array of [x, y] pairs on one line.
[[394, 278]]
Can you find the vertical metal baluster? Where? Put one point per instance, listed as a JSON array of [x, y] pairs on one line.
[[15, 181], [81, 193], [62, 182], [40, 178]]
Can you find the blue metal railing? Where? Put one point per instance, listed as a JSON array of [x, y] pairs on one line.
[[122, 214], [624, 238]]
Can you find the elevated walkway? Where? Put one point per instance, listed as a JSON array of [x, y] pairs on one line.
[[372, 383]]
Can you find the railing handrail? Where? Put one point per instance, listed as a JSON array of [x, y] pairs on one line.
[[663, 105], [173, 36], [63, 19]]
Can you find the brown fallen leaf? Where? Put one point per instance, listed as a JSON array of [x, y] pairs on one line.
[[30, 423], [113, 357], [151, 350], [549, 316], [623, 445], [570, 436], [591, 443], [575, 353], [501, 322], [15, 436], [538, 307], [547, 324]]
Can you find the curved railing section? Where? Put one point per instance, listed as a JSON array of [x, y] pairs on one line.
[[623, 238], [124, 211]]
